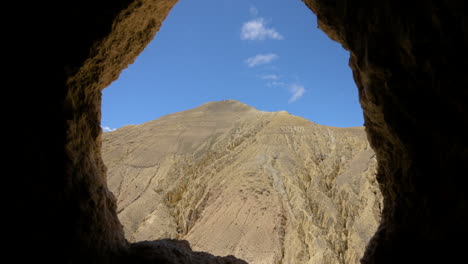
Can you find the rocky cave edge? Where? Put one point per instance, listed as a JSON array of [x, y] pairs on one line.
[[409, 60]]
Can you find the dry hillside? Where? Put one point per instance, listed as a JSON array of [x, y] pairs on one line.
[[266, 187]]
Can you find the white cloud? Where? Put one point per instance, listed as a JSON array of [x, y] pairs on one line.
[[278, 84], [108, 129], [270, 77], [260, 59], [253, 11], [256, 30], [275, 84], [297, 92]]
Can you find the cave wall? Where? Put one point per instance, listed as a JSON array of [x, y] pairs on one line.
[[408, 59], [68, 215]]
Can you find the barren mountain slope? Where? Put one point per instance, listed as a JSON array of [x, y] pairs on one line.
[[266, 187]]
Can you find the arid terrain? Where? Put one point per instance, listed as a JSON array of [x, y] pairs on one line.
[[266, 187]]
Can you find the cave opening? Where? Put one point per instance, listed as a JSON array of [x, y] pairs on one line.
[[271, 56]]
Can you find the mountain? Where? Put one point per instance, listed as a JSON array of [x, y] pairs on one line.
[[266, 187]]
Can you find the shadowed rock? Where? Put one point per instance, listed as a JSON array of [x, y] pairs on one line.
[[173, 252]]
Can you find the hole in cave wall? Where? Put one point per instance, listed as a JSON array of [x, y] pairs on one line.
[[251, 54]]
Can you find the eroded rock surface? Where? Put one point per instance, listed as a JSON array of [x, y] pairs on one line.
[[232, 180]]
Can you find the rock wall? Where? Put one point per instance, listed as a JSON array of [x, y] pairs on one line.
[[409, 61]]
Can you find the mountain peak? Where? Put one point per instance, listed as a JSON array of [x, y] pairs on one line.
[[229, 105]]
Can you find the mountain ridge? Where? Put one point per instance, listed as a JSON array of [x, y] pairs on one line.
[[267, 187], [213, 105]]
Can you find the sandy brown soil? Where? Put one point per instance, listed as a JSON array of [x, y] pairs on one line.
[[267, 187]]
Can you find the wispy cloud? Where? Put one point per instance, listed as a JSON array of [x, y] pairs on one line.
[[297, 91], [107, 129], [270, 77], [253, 11], [256, 29], [260, 59], [275, 83]]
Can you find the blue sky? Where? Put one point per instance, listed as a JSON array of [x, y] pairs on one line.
[[267, 54]]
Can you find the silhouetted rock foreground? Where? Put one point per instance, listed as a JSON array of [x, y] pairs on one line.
[[409, 61], [266, 187]]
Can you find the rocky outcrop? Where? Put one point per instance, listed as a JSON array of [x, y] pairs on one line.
[[408, 58], [265, 187], [172, 252]]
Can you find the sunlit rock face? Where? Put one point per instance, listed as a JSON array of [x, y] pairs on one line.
[[265, 187]]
